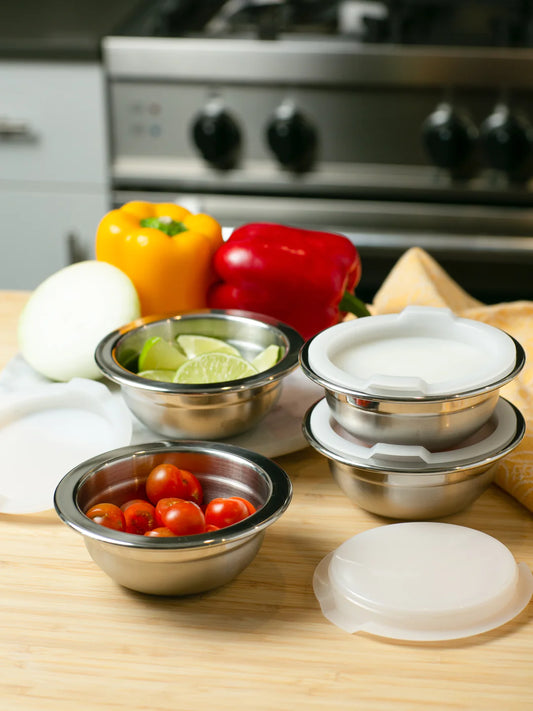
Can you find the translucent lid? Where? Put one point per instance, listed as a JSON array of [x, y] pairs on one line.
[[421, 581], [47, 430], [490, 440], [420, 352]]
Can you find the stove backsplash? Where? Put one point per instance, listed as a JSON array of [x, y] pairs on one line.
[[400, 122]]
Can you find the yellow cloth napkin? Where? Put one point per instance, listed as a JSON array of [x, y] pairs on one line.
[[417, 278]]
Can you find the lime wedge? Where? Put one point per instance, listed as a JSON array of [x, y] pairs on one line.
[[213, 368], [163, 376], [158, 354], [193, 345], [267, 358]]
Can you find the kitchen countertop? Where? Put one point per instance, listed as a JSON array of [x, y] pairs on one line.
[[59, 29], [72, 639]]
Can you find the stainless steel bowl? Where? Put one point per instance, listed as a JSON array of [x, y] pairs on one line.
[[185, 564], [402, 493], [213, 411], [432, 422]]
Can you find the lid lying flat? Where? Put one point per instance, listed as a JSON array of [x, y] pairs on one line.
[[505, 426], [422, 581], [420, 352], [47, 430]]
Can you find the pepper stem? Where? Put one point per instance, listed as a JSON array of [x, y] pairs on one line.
[[351, 303], [165, 224]]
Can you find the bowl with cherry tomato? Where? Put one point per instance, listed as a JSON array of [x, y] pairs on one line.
[[173, 518]]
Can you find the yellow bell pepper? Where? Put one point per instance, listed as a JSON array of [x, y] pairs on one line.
[[165, 250]]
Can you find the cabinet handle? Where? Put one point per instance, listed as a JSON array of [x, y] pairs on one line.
[[15, 129]]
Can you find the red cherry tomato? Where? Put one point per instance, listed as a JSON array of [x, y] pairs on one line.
[[161, 506], [125, 505], [184, 518], [139, 517], [160, 532], [211, 527], [225, 512], [165, 481], [194, 488], [251, 508], [107, 515]]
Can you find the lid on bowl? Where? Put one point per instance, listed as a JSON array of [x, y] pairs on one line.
[[505, 426], [421, 581], [48, 429], [420, 352]]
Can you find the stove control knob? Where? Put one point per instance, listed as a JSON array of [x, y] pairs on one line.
[[450, 139], [291, 138], [217, 136], [507, 140]]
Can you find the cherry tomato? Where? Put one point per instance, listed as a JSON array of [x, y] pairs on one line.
[[251, 508], [164, 481], [225, 512], [184, 518], [161, 506], [194, 488], [125, 505], [160, 532], [107, 515], [211, 527], [139, 517]]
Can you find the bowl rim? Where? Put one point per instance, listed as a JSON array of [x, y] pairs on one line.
[[70, 513], [371, 397], [105, 354], [429, 470]]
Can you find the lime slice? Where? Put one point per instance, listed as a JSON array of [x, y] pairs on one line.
[[193, 345], [267, 358], [158, 354], [163, 376], [213, 368]]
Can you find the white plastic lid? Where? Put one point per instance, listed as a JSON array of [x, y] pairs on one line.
[[47, 430], [421, 581], [489, 441], [420, 352]]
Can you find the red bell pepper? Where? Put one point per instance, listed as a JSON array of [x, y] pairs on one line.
[[302, 277]]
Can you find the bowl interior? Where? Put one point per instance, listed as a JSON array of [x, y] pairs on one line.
[[124, 478], [250, 336], [223, 470]]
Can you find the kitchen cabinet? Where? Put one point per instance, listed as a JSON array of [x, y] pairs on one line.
[[53, 166]]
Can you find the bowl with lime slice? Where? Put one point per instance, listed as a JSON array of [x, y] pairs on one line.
[[207, 374]]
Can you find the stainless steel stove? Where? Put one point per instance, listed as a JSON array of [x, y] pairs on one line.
[[399, 122]]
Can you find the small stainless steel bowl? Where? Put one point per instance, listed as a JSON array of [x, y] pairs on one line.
[[180, 565], [403, 492], [213, 411], [433, 422]]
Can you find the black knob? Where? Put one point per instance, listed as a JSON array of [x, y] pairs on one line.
[[217, 136], [508, 143], [292, 138], [450, 139]]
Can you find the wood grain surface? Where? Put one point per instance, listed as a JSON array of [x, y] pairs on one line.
[[72, 639]]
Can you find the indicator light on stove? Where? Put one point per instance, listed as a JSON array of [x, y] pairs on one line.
[[507, 140], [450, 139], [291, 138], [217, 136]]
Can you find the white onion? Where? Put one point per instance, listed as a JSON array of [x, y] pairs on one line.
[[69, 313]]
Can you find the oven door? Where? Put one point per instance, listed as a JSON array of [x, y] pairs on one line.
[[488, 250]]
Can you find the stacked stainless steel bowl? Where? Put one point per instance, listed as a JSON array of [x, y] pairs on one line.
[[412, 422]]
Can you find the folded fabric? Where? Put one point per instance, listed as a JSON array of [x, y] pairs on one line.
[[417, 278]]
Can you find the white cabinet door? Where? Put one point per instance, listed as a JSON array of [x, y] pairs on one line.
[[42, 232], [53, 123], [54, 176]]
